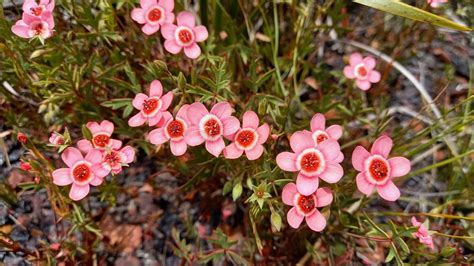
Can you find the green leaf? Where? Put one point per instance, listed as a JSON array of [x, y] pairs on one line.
[[237, 191], [404, 10], [275, 218], [86, 132], [447, 251], [390, 256]]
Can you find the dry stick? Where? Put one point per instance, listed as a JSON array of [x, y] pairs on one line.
[[421, 89]]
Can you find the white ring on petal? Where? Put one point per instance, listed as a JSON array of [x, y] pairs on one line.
[[321, 166]]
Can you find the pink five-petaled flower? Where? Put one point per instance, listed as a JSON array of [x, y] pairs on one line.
[[320, 133], [376, 170], [81, 172], [173, 130], [210, 127], [185, 35], [31, 26], [422, 233], [113, 160], [311, 162], [362, 69], [305, 206], [41, 10], [249, 138], [151, 107], [436, 3], [56, 139], [101, 140], [153, 14]]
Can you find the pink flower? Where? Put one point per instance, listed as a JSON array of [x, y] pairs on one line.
[[31, 26], [22, 138], [81, 172], [436, 3], [153, 14], [151, 107], [320, 133], [56, 139], [311, 162], [210, 127], [113, 160], [305, 206], [174, 131], [376, 170], [25, 166], [184, 35], [101, 140], [41, 10], [362, 69], [249, 138], [422, 233]]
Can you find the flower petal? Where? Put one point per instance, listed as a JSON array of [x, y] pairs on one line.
[[157, 136], [339, 158], [263, 132], [382, 146], [215, 147], [232, 152], [294, 218], [349, 72], [99, 170], [288, 193], [129, 153], [369, 62], [318, 122], [183, 112], [168, 30], [330, 148], [71, 156], [172, 47], [334, 131], [196, 112], [94, 127], [200, 33], [94, 156], [138, 101], [254, 153], [21, 30], [193, 136], [374, 76], [154, 120], [84, 145], [415, 222], [178, 148], [166, 101], [355, 59], [316, 221], [323, 197], [138, 14], [136, 120], [145, 4], [78, 192], [250, 120], [359, 155], [363, 84], [62, 176], [168, 5], [231, 125], [399, 166], [333, 173], [186, 18], [107, 127], [193, 51], [149, 29], [156, 88], [306, 185], [221, 110], [301, 140], [97, 181], [287, 161], [389, 191], [363, 185], [115, 144]]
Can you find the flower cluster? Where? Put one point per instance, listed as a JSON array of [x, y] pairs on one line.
[[422, 233], [183, 36], [36, 21], [103, 155], [194, 125]]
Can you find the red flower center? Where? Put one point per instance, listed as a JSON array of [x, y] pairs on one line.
[[36, 10], [155, 14], [245, 138], [212, 127], [150, 105], [101, 140], [175, 129], [81, 173], [185, 36], [310, 162], [378, 169], [306, 203], [38, 29], [362, 71], [112, 158]]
